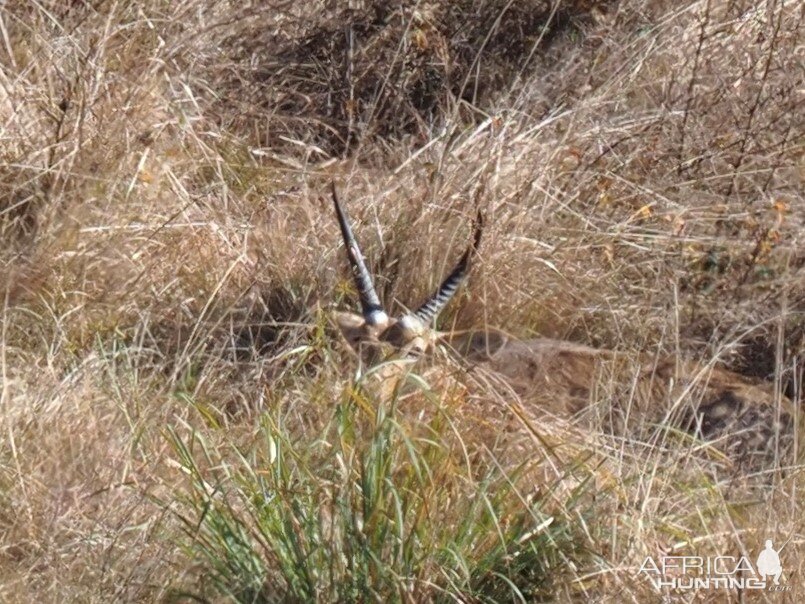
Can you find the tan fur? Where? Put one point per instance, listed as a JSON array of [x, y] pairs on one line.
[[748, 421], [745, 420]]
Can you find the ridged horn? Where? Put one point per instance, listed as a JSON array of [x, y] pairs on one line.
[[450, 285], [373, 312]]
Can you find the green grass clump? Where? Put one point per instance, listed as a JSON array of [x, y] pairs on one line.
[[371, 509]]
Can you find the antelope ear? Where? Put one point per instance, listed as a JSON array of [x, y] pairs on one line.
[[352, 326], [419, 345]]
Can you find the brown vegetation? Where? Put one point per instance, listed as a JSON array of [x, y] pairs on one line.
[[168, 260]]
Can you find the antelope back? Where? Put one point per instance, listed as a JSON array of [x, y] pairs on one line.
[[750, 423], [747, 420]]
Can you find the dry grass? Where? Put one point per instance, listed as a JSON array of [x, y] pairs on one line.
[[167, 255]]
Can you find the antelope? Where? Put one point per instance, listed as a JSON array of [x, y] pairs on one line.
[[748, 421]]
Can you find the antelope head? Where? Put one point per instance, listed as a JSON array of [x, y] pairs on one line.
[[412, 333]]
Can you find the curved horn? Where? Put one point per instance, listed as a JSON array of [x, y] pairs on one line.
[[373, 312], [450, 285]]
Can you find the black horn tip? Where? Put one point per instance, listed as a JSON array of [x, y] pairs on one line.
[[479, 229], [336, 202]]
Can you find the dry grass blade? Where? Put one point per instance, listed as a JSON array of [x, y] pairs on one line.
[[171, 371]]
